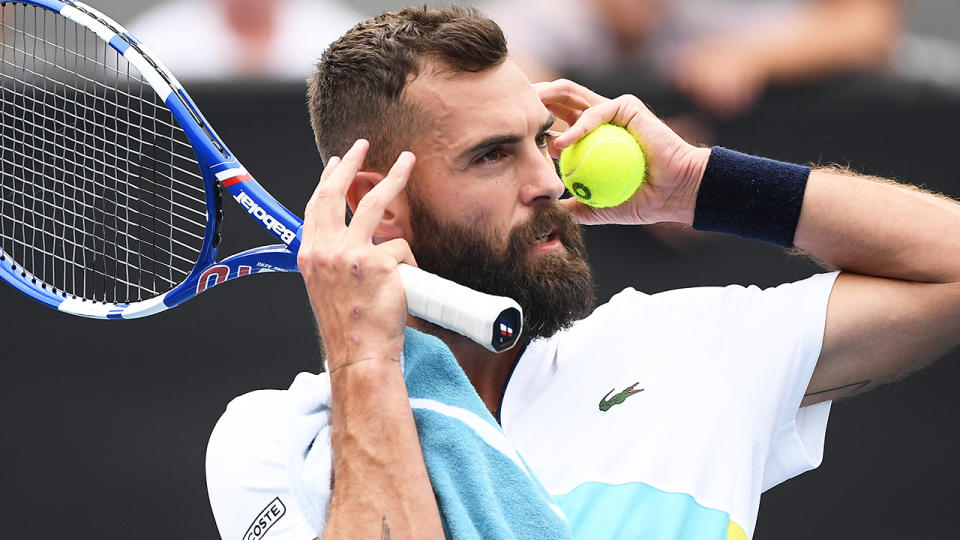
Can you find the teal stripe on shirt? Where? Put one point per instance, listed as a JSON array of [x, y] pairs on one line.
[[598, 511]]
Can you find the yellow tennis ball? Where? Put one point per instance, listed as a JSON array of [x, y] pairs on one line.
[[604, 168]]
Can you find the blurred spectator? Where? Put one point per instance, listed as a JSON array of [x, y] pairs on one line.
[[251, 39], [721, 53], [929, 59]]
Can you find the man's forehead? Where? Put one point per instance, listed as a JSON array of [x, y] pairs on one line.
[[492, 99]]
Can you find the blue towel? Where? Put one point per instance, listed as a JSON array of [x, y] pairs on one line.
[[484, 489]]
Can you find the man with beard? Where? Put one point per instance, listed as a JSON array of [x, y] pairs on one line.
[[660, 416]]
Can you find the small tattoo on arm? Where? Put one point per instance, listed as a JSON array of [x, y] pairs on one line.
[[352, 362], [855, 388], [384, 529]]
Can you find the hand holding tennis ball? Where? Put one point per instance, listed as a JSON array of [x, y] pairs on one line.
[[604, 168], [673, 166]]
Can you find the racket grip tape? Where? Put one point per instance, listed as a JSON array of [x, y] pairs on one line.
[[492, 321]]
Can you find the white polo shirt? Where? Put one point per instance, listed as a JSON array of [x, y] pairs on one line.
[[659, 416], [666, 416]]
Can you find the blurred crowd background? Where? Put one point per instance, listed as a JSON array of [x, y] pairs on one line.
[[106, 423], [700, 63], [722, 53]]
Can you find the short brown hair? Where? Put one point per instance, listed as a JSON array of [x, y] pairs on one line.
[[358, 88]]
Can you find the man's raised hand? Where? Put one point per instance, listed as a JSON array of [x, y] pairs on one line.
[[674, 167], [353, 284]]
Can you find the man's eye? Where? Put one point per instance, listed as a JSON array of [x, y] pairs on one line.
[[491, 156], [542, 140]]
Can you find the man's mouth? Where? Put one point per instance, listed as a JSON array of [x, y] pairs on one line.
[[547, 241], [545, 236]]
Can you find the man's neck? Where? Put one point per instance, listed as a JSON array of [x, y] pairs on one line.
[[486, 370]]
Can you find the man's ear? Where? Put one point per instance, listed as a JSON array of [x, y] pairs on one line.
[[390, 224]]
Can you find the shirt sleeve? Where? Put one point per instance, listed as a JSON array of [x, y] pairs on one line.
[[797, 447], [776, 338], [246, 466]]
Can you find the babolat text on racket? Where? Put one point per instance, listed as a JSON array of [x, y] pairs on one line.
[[111, 183]]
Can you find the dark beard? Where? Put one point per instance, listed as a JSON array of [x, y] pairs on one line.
[[554, 289]]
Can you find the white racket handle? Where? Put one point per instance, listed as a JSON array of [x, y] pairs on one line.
[[492, 321]]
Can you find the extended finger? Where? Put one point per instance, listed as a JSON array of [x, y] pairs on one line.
[[320, 187], [329, 200], [567, 114], [568, 93], [371, 207], [310, 227], [348, 167], [623, 111]]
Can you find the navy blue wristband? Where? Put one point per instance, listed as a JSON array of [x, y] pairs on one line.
[[751, 197]]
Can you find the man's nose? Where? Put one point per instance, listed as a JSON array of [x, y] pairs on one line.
[[541, 184]]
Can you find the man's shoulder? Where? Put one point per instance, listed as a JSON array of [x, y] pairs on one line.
[[247, 409], [252, 426], [247, 462], [260, 421], [631, 316], [698, 298]]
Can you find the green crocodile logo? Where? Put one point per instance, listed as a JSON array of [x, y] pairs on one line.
[[619, 397]]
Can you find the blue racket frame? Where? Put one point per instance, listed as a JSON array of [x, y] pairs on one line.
[[221, 172], [493, 321]]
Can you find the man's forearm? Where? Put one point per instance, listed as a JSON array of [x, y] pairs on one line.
[[897, 306], [381, 488], [880, 228], [881, 328], [380, 482]]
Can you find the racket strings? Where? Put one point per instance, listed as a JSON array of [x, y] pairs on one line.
[[71, 56], [99, 100], [61, 166], [100, 195]]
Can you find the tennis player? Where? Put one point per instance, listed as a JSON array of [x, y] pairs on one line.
[[651, 416]]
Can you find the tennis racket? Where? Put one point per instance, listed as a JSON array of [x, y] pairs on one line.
[[111, 184]]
